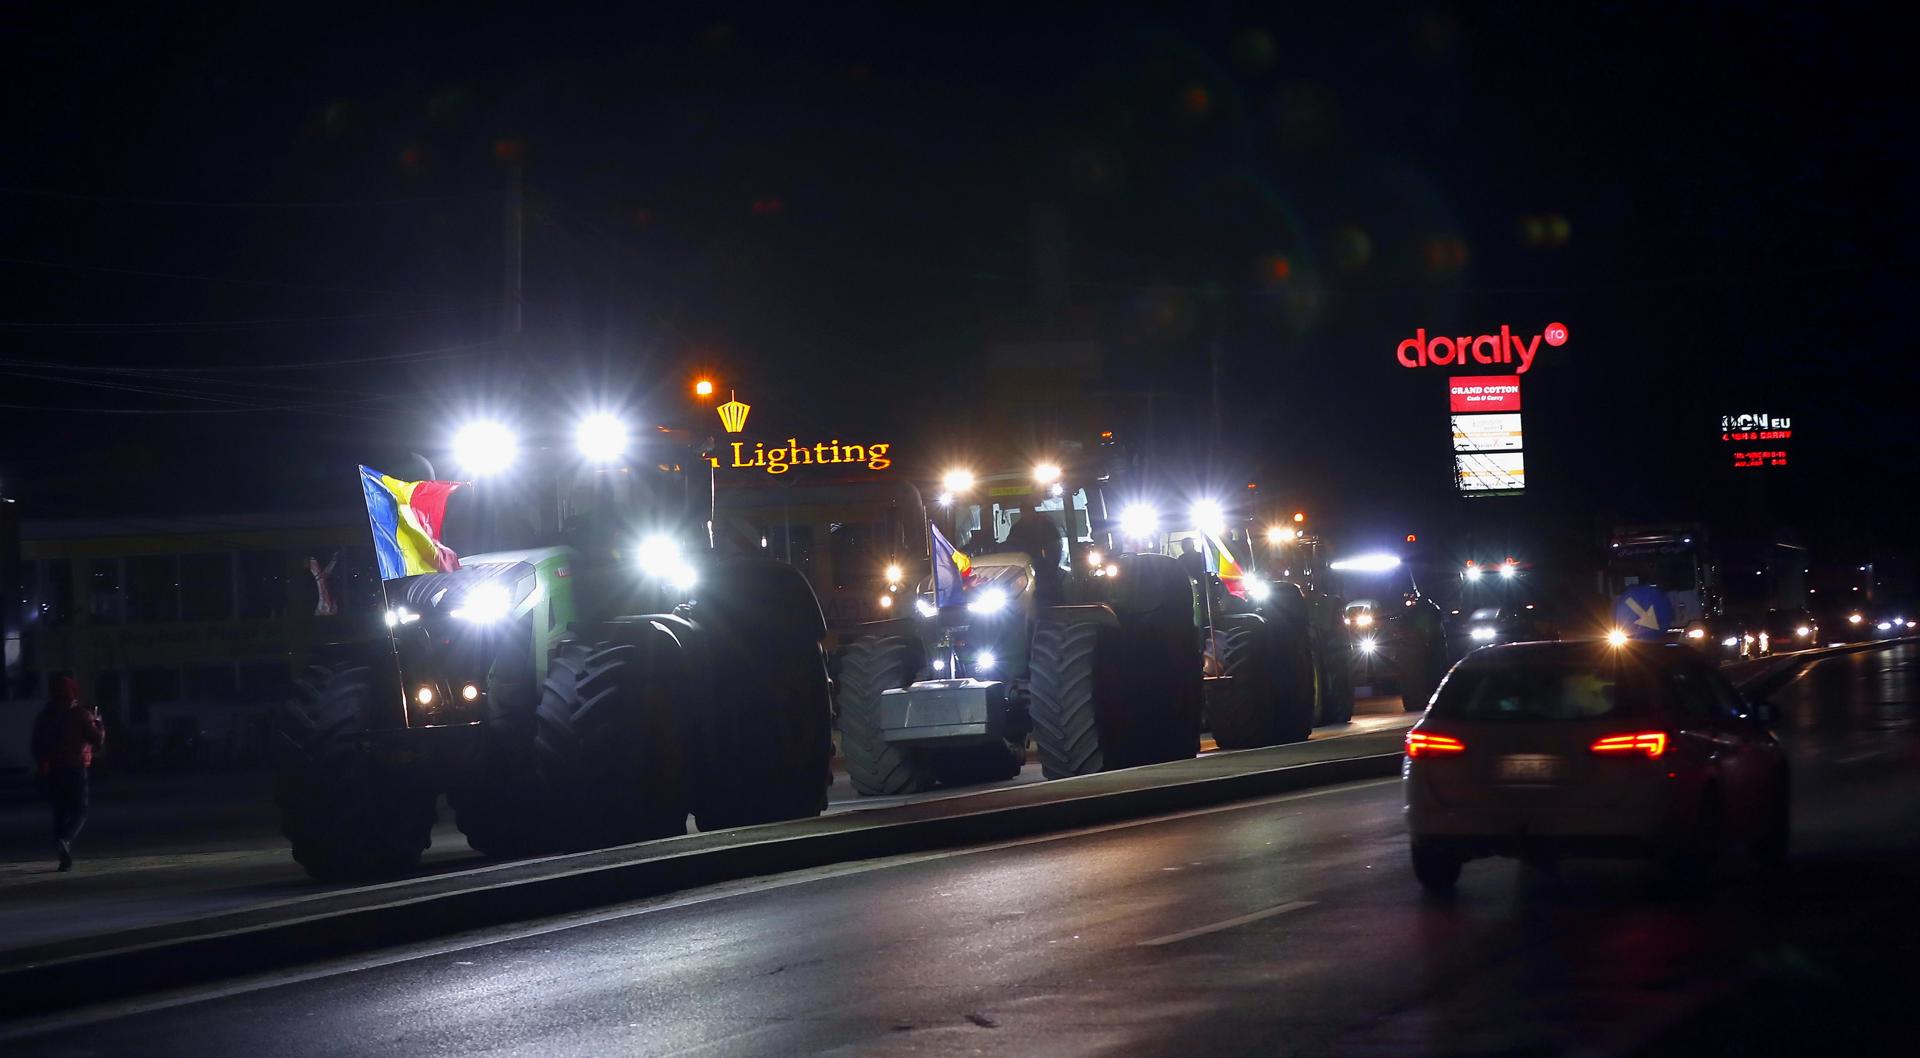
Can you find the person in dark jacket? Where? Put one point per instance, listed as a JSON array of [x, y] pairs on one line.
[[65, 734], [1044, 542]]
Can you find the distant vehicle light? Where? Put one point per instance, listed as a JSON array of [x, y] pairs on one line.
[[1854, 618], [1113, 571], [1433, 744], [1484, 635], [957, 480], [1509, 570], [1094, 557], [945, 499], [1696, 633], [1651, 743], [1616, 638], [470, 692], [1259, 590], [601, 438], [1367, 645], [939, 664], [991, 601], [925, 608], [1280, 534], [1730, 641], [1803, 631], [1046, 473], [484, 447], [983, 661], [1363, 619], [895, 574], [1475, 572], [1374, 563], [1885, 626], [886, 602]]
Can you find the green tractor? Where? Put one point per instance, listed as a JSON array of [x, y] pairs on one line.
[[1103, 657], [590, 675]]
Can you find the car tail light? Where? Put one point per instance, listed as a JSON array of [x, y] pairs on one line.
[[1651, 743], [1431, 744]]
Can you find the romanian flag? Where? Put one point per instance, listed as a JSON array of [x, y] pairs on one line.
[[1220, 563], [950, 566], [407, 519]]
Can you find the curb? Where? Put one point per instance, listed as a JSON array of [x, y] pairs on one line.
[[64, 982]]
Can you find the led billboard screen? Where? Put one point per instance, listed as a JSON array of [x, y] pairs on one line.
[[1486, 433], [1489, 473]]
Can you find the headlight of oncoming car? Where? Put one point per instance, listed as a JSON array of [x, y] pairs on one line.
[[1483, 634]]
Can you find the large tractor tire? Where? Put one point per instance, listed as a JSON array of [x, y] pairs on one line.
[[763, 746], [346, 816], [1064, 692], [1156, 716], [607, 753], [500, 807], [878, 768], [1246, 712]]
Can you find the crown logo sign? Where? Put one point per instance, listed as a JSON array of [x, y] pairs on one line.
[[733, 414]]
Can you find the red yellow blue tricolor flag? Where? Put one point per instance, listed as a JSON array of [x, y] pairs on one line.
[[408, 518], [950, 566], [1220, 562]]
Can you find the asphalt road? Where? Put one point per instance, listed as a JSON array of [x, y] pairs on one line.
[[168, 846], [1286, 926]]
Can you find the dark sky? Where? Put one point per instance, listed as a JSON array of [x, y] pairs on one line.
[[838, 211]]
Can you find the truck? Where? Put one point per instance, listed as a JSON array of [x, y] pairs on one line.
[[585, 670]]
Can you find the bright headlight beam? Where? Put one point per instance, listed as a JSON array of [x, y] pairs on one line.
[[601, 438], [1259, 590], [484, 604], [1046, 473], [983, 661], [1616, 638], [1209, 517], [957, 480], [993, 600], [659, 556], [1139, 521], [484, 447], [1484, 635], [1379, 562]]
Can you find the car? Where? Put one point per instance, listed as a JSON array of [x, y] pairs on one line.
[[1492, 625], [1539, 750], [1789, 629], [1890, 620]]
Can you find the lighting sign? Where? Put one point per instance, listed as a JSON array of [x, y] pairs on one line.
[[1506, 347], [1476, 393], [782, 458], [1743, 460], [733, 414], [1490, 472], [1486, 433]]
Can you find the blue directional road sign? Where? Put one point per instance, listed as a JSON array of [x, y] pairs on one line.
[[1643, 612]]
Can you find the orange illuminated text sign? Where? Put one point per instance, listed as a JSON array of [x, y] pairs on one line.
[[781, 458]]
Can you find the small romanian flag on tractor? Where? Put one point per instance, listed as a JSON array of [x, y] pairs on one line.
[[408, 518], [950, 566], [1220, 563]]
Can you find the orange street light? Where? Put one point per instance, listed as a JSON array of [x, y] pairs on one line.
[[703, 388]]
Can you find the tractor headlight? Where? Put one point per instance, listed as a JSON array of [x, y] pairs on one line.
[[1803, 631], [485, 447], [1209, 518], [925, 608], [1854, 618], [991, 601], [484, 604], [1696, 633], [660, 557], [983, 661], [1367, 645], [602, 438], [1139, 521], [400, 615], [1730, 641], [1482, 635], [895, 574], [1363, 619], [1259, 590]]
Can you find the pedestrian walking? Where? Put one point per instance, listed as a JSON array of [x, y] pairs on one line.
[[65, 734]]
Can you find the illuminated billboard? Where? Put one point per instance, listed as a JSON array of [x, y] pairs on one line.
[[1482, 393], [1506, 348], [1490, 473], [1758, 439], [1486, 433]]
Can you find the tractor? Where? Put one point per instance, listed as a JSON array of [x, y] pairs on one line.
[[1084, 635], [590, 675]]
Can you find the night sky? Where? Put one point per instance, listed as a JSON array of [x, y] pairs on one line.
[[840, 213]]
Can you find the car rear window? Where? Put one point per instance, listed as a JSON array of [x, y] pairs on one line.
[[1546, 691]]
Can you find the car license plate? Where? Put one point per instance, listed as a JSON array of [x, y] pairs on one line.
[[1522, 768]]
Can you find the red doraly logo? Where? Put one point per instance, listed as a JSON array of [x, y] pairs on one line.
[[1503, 348]]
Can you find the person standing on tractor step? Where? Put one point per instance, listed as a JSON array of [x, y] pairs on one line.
[[65, 734]]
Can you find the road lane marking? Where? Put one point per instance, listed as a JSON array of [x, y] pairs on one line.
[[1216, 927], [488, 936]]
